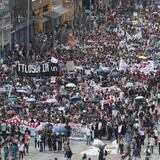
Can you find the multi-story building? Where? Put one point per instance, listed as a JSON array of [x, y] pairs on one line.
[[48, 14], [21, 17], [5, 25]]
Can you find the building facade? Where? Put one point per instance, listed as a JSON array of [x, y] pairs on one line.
[[5, 26], [49, 14], [21, 18]]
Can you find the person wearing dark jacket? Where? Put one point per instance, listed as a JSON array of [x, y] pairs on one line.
[[101, 154]]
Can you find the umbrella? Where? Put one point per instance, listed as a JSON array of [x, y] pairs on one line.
[[2, 90], [139, 98], [11, 99], [129, 84], [61, 108], [51, 100], [31, 100], [8, 86], [79, 67], [61, 64], [24, 88], [115, 73], [37, 90], [41, 102], [13, 96], [105, 69], [76, 97], [90, 41], [15, 105], [97, 143], [22, 91], [131, 49], [71, 85], [11, 112], [39, 80], [64, 94], [143, 57]]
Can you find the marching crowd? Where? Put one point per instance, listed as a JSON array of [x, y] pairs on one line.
[[109, 86]]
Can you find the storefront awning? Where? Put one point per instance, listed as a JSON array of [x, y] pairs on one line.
[[60, 10], [39, 19]]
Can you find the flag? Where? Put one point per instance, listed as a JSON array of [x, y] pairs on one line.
[[146, 68], [122, 65]]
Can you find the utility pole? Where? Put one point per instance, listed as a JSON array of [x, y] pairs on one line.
[[2, 32], [28, 19], [73, 16]]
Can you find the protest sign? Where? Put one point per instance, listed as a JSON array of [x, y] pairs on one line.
[[33, 70]]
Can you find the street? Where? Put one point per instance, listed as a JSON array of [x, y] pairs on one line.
[[77, 147]]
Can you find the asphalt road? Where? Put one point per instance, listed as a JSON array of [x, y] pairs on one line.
[[77, 147]]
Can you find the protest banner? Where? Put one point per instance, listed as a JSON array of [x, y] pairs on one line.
[[33, 70], [77, 133]]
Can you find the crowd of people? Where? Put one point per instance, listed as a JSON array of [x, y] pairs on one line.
[[112, 91]]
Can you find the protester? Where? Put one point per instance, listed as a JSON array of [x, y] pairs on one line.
[[68, 152], [88, 135]]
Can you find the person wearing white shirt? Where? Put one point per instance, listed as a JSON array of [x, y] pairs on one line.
[[156, 136], [21, 150], [152, 143], [88, 135], [100, 130]]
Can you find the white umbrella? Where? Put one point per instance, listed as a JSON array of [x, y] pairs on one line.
[[70, 85], [79, 67], [139, 97], [31, 100], [61, 108], [97, 143], [22, 91], [129, 84], [94, 151], [51, 100]]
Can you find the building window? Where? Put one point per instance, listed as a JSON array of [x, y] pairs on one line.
[[45, 8]]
